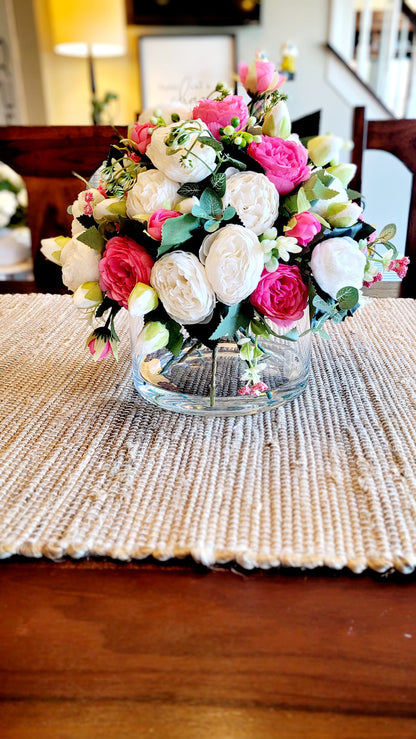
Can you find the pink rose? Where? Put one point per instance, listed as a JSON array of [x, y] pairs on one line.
[[140, 134], [217, 114], [284, 162], [156, 221], [261, 76], [303, 227], [123, 264], [281, 296]]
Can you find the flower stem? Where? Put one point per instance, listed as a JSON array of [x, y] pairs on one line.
[[178, 360], [213, 376]]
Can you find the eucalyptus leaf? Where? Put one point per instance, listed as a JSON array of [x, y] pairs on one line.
[[211, 202], [228, 213], [347, 297]]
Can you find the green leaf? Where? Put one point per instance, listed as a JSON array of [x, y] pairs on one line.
[[354, 194], [175, 337], [322, 305], [235, 163], [210, 141], [218, 183], [302, 203], [200, 212], [259, 329], [176, 231], [92, 238], [118, 209], [394, 249], [236, 318], [387, 233], [322, 221], [228, 213], [190, 189], [211, 202], [347, 297], [211, 226]]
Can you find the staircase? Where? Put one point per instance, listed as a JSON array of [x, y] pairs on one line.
[[377, 40]]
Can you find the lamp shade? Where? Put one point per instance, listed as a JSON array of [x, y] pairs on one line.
[[85, 28]]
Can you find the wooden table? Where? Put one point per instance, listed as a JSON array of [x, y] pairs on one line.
[[100, 649]]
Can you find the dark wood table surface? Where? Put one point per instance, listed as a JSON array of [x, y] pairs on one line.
[[103, 649]]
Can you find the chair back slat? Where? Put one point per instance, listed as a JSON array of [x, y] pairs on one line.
[[398, 137]]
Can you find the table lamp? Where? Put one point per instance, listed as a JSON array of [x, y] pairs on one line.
[[92, 29]]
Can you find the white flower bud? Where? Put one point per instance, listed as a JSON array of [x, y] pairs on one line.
[[87, 295], [277, 121], [153, 336], [142, 299]]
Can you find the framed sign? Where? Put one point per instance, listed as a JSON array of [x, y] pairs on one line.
[[184, 68]]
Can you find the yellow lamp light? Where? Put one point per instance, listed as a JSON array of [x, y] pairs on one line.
[[90, 29], [95, 28]]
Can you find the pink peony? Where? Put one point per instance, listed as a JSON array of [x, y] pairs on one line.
[[123, 264], [284, 162], [303, 227], [217, 114], [140, 134], [260, 76], [281, 296], [156, 221]]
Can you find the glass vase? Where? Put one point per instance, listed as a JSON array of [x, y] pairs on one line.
[[206, 382]]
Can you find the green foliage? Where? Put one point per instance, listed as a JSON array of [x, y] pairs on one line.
[[176, 231], [175, 337], [92, 238], [347, 297], [237, 317]]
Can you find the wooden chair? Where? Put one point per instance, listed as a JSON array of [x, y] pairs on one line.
[[46, 157], [399, 138]]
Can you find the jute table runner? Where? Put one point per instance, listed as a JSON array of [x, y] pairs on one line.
[[88, 468]]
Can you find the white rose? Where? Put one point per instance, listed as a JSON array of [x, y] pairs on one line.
[[255, 199], [321, 206], [181, 284], [180, 165], [165, 111], [150, 192], [233, 262], [8, 206], [338, 263], [79, 264]]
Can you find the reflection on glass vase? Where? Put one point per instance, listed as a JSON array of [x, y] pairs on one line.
[[206, 382]]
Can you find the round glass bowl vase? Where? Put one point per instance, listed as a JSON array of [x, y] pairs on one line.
[[206, 383]]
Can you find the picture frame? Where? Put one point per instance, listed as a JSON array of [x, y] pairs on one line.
[[184, 68]]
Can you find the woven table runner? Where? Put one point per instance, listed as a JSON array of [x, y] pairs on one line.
[[89, 468]]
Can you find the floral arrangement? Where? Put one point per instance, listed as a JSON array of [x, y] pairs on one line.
[[222, 222], [14, 234]]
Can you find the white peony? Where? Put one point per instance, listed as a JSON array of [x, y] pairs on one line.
[[150, 192], [338, 263], [234, 262], [8, 206], [177, 163], [181, 284], [79, 264], [255, 199]]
